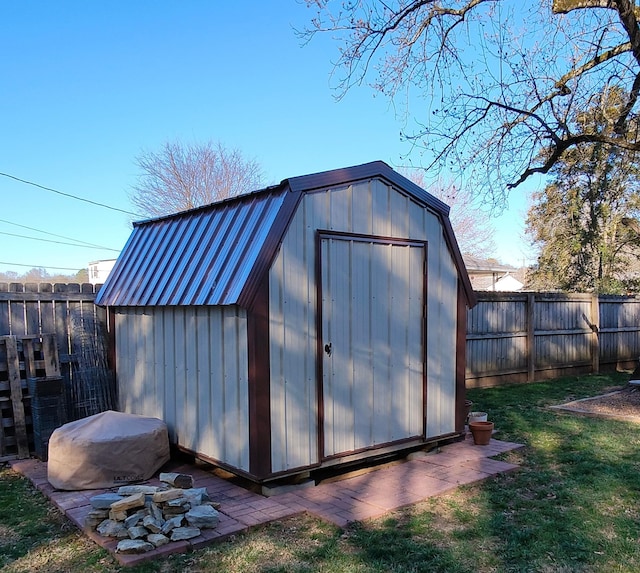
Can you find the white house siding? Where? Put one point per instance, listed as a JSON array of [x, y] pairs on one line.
[[188, 367], [368, 208]]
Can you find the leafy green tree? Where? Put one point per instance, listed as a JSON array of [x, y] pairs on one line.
[[583, 220]]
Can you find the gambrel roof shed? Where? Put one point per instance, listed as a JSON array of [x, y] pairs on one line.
[[315, 321]]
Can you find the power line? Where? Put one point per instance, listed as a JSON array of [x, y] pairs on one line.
[[41, 266], [56, 242], [55, 235], [69, 195]]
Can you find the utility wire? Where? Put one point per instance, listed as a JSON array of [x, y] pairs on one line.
[[40, 266], [69, 195], [54, 235], [56, 242]]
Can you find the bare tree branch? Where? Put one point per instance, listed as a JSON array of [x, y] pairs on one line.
[[495, 87], [180, 177]]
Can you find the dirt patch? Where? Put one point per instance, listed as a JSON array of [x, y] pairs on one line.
[[623, 403]]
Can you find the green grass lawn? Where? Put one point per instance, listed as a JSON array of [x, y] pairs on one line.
[[573, 506]]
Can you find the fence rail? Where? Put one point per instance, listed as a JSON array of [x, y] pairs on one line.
[[65, 310]]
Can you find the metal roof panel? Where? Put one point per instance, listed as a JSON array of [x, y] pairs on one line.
[[203, 256]]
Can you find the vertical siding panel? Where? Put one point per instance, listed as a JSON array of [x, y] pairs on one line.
[[205, 380], [328, 336], [340, 214], [179, 373], [341, 363], [399, 321], [416, 340], [231, 411], [123, 360], [399, 214], [242, 354], [276, 361], [146, 385], [381, 208], [135, 339], [380, 302], [435, 332], [191, 427], [362, 358], [361, 212], [169, 371], [309, 440], [156, 369], [296, 275], [217, 389]]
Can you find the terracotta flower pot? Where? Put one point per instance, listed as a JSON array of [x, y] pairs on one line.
[[481, 432]]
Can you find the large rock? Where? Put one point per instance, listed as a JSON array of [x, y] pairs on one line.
[[131, 502], [134, 546], [167, 495], [152, 524], [182, 481], [171, 524], [125, 490], [196, 495], [157, 539], [203, 516], [181, 533], [138, 532], [111, 528], [104, 500]]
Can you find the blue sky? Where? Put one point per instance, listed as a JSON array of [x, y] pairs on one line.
[[88, 86]]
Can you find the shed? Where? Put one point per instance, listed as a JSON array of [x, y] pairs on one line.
[[312, 323]]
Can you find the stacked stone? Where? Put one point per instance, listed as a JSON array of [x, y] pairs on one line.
[[144, 517]]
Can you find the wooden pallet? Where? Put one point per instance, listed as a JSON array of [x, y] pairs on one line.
[[22, 357]]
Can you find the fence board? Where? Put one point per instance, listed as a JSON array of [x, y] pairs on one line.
[[27, 311], [520, 337], [15, 384]]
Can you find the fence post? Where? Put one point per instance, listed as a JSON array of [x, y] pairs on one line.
[[531, 338], [595, 336]]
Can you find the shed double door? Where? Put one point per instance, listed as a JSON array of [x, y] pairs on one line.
[[373, 340]]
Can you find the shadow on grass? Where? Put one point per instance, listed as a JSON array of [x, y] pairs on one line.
[[572, 506]]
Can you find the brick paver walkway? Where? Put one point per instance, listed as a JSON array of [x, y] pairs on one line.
[[365, 496]]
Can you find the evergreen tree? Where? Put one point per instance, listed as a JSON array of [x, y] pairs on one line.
[[580, 221]]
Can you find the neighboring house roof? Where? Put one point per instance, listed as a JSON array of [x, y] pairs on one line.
[[506, 283], [477, 266], [217, 254], [490, 275]]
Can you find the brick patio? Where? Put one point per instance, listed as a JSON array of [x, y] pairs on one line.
[[361, 497]]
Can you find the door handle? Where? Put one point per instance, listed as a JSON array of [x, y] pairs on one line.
[[328, 349]]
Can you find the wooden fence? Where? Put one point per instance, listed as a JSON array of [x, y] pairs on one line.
[[514, 337], [62, 313]]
